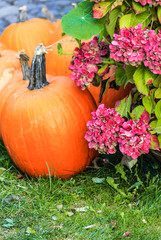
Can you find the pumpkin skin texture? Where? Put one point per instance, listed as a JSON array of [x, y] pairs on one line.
[[57, 33], [59, 64], [27, 35], [45, 128], [8, 60]]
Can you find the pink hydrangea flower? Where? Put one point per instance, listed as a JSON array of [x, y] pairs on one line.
[[135, 46], [102, 133], [152, 2], [134, 138], [108, 129], [86, 62]]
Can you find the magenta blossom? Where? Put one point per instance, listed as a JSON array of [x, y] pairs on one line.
[[86, 62], [134, 138], [103, 130], [135, 46], [152, 2], [108, 129]]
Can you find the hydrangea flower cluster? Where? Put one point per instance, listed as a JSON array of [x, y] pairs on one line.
[[86, 60], [152, 2], [134, 138], [136, 45], [108, 129], [102, 133]]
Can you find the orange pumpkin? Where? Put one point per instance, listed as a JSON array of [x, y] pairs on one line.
[[57, 33], [43, 128], [27, 34], [59, 64], [8, 59]]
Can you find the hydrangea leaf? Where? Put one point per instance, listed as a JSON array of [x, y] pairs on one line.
[[114, 14], [159, 138], [158, 110], [120, 76], [126, 20], [157, 81], [130, 70], [138, 8], [159, 13], [139, 79], [138, 111], [155, 143], [79, 22], [149, 76], [148, 104], [158, 93], [144, 18], [124, 106], [157, 128], [100, 9]]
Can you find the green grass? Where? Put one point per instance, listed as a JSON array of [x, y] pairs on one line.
[[64, 209]]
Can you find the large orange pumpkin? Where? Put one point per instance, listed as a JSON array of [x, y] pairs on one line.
[[43, 128], [27, 34]]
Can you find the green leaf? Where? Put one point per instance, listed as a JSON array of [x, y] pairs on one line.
[[157, 128], [149, 76], [155, 142], [120, 169], [120, 76], [159, 138], [157, 81], [124, 107], [159, 13], [111, 182], [158, 93], [138, 8], [148, 104], [60, 49], [138, 111], [153, 125], [130, 70], [98, 180], [114, 14], [139, 79], [79, 22], [125, 20], [158, 110], [144, 18], [102, 69], [100, 9]]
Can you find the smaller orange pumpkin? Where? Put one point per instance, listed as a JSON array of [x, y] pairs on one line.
[[27, 34], [59, 64]]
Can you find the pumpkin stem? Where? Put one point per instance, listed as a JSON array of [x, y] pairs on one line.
[[24, 58], [38, 69], [22, 15]]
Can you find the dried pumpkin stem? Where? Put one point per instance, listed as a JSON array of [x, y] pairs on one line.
[[24, 58], [22, 15], [38, 69]]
